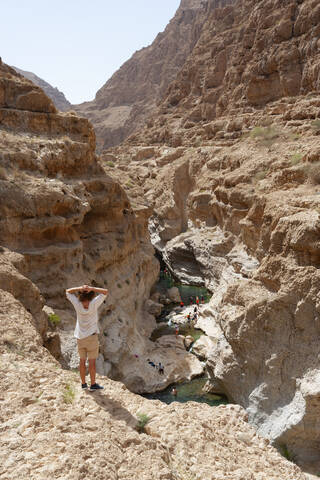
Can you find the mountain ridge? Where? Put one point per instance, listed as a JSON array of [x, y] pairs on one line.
[[56, 95]]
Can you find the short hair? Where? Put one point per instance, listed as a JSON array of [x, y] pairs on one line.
[[86, 296]]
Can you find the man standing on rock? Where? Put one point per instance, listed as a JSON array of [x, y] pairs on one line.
[[86, 331]]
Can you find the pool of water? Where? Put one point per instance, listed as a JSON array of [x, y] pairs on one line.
[[186, 291], [188, 392]]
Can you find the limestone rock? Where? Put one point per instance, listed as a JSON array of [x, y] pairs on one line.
[[56, 96], [174, 294], [237, 210], [203, 347], [188, 341], [232, 69], [47, 425], [71, 224], [127, 99], [153, 308]]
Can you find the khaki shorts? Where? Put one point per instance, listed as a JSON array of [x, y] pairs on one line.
[[88, 347]]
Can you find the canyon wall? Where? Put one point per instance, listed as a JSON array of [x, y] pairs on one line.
[[64, 222], [56, 96], [229, 165], [248, 54], [129, 97]]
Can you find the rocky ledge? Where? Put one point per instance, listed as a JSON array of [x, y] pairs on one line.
[[50, 428]]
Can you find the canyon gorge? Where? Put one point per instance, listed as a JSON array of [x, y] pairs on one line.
[[209, 156]]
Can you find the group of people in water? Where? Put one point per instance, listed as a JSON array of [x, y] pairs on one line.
[[197, 301]]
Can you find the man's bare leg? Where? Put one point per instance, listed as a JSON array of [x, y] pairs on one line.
[[92, 370], [83, 370]]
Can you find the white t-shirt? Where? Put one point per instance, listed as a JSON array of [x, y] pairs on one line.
[[87, 319]]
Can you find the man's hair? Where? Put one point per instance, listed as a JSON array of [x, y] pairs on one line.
[[86, 296]]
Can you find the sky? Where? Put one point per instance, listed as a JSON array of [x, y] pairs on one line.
[[76, 45]]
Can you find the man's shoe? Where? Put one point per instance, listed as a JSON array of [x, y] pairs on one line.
[[84, 386], [95, 386]]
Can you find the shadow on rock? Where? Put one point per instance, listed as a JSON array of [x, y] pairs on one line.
[[114, 408]]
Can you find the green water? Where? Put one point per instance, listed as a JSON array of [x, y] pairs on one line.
[[188, 392], [186, 291]]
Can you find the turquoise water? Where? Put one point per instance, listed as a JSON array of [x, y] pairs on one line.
[[186, 291], [188, 392]]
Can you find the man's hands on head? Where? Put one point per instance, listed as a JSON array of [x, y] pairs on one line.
[[87, 288]]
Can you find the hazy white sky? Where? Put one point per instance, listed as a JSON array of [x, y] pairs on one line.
[[76, 45]]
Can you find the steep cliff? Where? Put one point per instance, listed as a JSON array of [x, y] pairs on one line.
[[126, 100], [230, 166], [56, 96], [68, 223], [63, 221], [248, 54]]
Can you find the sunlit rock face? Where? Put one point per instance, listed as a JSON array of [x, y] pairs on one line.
[[58, 98], [233, 183], [48, 423], [123, 104], [72, 224]]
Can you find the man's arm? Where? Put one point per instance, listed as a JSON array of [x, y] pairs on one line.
[[104, 291], [87, 288], [74, 289]]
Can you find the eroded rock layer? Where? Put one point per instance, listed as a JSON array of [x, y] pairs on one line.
[[235, 206], [52, 429], [56, 96], [248, 54], [243, 220], [129, 97], [68, 224]]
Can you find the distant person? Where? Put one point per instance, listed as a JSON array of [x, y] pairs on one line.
[[202, 299], [177, 330], [174, 392], [181, 304], [195, 309], [86, 332], [191, 300], [188, 317], [197, 300], [161, 368]]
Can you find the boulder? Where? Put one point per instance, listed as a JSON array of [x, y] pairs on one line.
[[174, 294], [203, 347], [188, 341], [153, 308]]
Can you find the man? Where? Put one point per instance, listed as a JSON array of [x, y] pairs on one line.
[[86, 331]]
